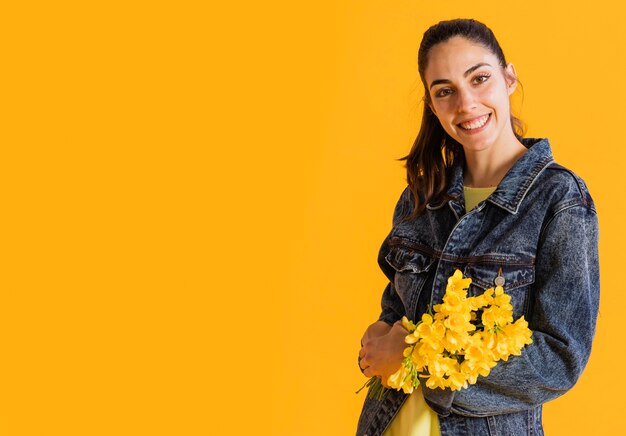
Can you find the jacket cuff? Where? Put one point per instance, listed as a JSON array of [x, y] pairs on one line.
[[440, 400]]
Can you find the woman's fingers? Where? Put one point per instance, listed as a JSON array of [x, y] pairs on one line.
[[368, 372], [364, 365], [363, 362]]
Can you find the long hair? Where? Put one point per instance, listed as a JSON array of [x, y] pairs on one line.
[[434, 154]]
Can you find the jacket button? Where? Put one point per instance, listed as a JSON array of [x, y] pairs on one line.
[[499, 280]]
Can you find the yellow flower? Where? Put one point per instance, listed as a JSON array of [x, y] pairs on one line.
[[496, 315], [518, 335], [470, 373], [429, 348], [459, 322], [441, 348], [475, 351], [435, 381], [401, 380], [456, 282], [428, 330], [453, 302], [412, 338], [455, 341], [501, 298], [439, 314], [419, 359], [407, 324], [480, 301], [438, 365], [457, 380]]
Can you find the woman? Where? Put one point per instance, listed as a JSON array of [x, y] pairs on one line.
[[486, 200]]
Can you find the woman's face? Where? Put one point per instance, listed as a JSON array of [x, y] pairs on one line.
[[469, 94]]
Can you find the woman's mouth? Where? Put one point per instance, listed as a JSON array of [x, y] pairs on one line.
[[475, 125]]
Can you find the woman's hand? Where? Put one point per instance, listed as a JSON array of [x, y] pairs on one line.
[[379, 328], [382, 355]]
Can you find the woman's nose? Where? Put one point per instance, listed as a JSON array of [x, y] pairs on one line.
[[466, 100]]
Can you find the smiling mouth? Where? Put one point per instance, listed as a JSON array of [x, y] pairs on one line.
[[476, 123]]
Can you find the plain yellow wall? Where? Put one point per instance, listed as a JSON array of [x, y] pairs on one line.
[[194, 195]]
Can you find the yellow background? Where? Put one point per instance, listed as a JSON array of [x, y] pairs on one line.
[[194, 194]]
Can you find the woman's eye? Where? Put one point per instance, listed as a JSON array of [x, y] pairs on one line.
[[482, 78], [443, 92]]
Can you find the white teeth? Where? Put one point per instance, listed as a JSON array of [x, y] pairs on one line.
[[475, 124]]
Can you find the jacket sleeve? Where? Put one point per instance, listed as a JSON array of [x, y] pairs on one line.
[[563, 309], [392, 308]]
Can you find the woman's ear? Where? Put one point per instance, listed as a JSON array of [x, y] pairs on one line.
[[511, 78]]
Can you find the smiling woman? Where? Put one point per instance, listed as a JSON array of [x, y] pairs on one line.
[[472, 104], [484, 199]]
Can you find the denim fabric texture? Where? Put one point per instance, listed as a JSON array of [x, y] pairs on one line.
[[540, 229]]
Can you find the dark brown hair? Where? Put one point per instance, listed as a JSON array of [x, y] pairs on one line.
[[430, 162]]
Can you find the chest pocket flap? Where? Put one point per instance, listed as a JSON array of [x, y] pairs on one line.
[[404, 259], [410, 274], [514, 278]]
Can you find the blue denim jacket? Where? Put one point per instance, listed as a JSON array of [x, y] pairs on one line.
[[539, 230]]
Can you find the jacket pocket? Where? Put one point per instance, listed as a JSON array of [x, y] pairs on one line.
[[411, 267], [515, 278]]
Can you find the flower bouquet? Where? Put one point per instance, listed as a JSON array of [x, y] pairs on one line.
[[464, 338]]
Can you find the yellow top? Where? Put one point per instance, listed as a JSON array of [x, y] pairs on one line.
[[473, 196], [415, 418]]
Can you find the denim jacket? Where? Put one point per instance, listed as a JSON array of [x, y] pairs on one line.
[[539, 231]]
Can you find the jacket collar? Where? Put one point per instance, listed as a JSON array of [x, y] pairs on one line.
[[513, 187]]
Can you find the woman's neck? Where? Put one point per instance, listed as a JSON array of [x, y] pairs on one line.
[[486, 168]]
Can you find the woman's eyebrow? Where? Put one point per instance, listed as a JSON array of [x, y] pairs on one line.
[[465, 74]]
